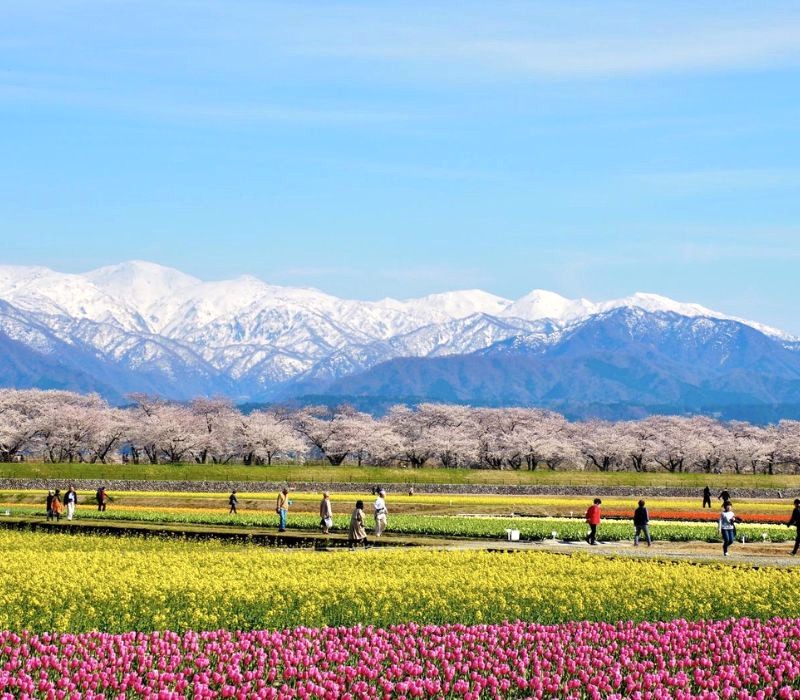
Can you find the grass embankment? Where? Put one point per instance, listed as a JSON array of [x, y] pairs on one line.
[[385, 475], [78, 583]]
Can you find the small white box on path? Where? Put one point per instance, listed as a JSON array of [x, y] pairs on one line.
[[513, 535]]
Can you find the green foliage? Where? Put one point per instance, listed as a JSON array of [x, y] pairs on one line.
[[386, 475]]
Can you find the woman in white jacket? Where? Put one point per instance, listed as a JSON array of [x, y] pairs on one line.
[[381, 513], [727, 526]]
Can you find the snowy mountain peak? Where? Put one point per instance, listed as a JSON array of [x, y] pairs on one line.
[[656, 302], [541, 304], [461, 303], [140, 284]]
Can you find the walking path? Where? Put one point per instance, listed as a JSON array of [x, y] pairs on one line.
[[752, 553]]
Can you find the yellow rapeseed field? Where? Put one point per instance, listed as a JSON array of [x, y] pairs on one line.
[[78, 583]]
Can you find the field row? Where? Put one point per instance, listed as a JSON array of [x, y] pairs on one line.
[[565, 529], [740, 659], [86, 582], [402, 502]]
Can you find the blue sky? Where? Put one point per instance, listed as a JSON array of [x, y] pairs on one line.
[[374, 149]]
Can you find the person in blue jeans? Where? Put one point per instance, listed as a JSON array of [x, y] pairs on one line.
[[641, 518], [727, 526], [281, 508]]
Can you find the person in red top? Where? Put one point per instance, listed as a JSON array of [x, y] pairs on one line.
[[593, 518]]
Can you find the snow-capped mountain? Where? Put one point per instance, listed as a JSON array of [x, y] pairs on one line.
[[142, 326], [622, 363], [541, 304]]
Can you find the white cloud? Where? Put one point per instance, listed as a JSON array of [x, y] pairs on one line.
[[608, 40], [693, 181]]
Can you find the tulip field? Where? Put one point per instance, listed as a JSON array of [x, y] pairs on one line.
[[726, 659]]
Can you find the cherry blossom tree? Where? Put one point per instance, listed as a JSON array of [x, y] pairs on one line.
[[788, 444], [20, 412], [216, 421], [325, 430], [265, 435], [600, 445], [673, 441], [710, 443]]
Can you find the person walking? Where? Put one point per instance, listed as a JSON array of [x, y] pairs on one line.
[[357, 533], [233, 501], [641, 520], [381, 513], [727, 527], [724, 496], [282, 508], [102, 499], [57, 505], [70, 500], [795, 520], [325, 513], [50, 495], [706, 497], [593, 519]]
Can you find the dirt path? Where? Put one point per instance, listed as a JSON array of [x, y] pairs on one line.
[[751, 553]]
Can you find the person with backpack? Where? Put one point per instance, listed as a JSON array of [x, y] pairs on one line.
[[233, 501], [641, 520], [593, 519], [70, 500], [57, 505], [795, 520]]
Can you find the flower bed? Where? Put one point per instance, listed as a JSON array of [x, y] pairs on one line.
[[85, 582], [739, 659], [538, 528]]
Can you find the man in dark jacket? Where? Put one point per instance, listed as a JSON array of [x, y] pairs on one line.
[[641, 518], [50, 497], [102, 498], [795, 520], [233, 501], [706, 497]]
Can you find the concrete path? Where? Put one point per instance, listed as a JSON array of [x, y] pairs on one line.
[[756, 554]]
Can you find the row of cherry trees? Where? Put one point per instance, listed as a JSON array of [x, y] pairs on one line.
[[60, 426]]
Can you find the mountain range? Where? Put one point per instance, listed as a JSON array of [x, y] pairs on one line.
[[139, 326]]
